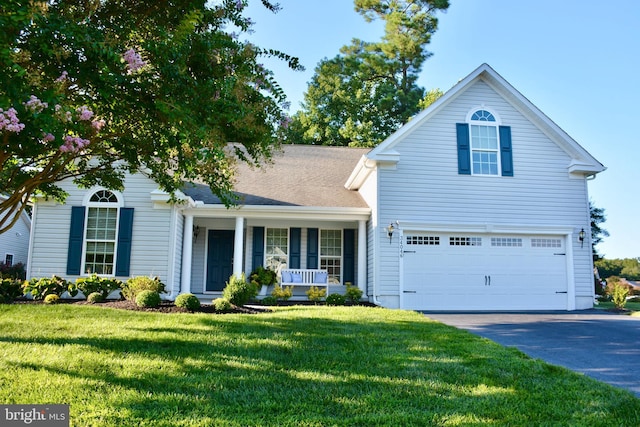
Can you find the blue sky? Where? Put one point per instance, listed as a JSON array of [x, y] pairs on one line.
[[577, 60]]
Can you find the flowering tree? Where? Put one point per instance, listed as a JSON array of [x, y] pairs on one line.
[[92, 89]]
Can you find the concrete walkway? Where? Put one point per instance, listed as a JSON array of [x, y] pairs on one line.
[[603, 345]]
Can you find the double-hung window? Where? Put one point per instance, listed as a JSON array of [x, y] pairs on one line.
[[277, 248], [484, 143], [331, 254], [101, 233]]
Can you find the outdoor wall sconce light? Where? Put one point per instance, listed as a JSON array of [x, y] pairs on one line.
[[390, 229], [581, 235], [196, 231]]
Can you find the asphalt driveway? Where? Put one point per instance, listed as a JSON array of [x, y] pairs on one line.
[[603, 345]]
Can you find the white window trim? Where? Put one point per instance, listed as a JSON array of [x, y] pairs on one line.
[[341, 278], [13, 258], [89, 204], [473, 150]]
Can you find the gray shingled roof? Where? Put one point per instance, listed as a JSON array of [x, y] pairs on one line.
[[300, 175]]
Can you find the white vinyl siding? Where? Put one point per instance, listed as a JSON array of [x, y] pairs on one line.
[[425, 187]]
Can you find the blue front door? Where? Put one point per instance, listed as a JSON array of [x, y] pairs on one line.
[[219, 259]]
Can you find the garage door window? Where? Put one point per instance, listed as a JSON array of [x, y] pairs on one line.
[[423, 240], [546, 243], [506, 242], [465, 241]]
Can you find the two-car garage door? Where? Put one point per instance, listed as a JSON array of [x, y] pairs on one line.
[[446, 271]]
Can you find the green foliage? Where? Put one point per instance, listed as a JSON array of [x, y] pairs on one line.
[[282, 294], [54, 285], [629, 268], [95, 297], [365, 93], [238, 291], [222, 304], [353, 294], [148, 299], [598, 233], [133, 286], [10, 289], [187, 301], [270, 300], [51, 299], [135, 85], [15, 271], [617, 291], [95, 283], [263, 277], [316, 294], [336, 299]]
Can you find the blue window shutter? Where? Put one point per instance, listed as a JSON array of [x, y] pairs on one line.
[[506, 154], [464, 150], [312, 248], [349, 256], [125, 233], [258, 247], [76, 237], [295, 236]]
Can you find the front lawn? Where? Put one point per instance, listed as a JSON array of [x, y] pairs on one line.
[[296, 366]]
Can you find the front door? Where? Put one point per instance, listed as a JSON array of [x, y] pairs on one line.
[[219, 259]]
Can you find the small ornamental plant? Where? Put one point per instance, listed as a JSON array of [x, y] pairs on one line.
[[238, 291], [270, 300], [187, 301], [51, 299], [95, 283], [222, 304], [282, 294], [95, 297], [617, 291], [316, 294], [336, 299], [10, 289], [148, 299], [353, 294], [54, 285], [135, 285]]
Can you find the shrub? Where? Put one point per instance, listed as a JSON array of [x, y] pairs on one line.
[[238, 291], [54, 285], [10, 289], [188, 301], [95, 297], [617, 291], [282, 294], [51, 299], [14, 271], [353, 294], [222, 304], [270, 300], [132, 287], [336, 299], [94, 283], [148, 299], [263, 277], [316, 294]]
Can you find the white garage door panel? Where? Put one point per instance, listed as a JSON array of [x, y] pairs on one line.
[[528, 274]]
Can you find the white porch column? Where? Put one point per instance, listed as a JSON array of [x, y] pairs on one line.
[[187, 254], [238, 248], [362, 256]]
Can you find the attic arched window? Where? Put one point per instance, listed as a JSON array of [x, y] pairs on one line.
[[484, 143]]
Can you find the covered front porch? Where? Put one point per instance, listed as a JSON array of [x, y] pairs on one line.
[[219, 242]]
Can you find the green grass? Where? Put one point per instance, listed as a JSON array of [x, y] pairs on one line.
[[297, 366], [630, 306]]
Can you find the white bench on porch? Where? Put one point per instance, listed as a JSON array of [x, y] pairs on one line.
[[304, 277]]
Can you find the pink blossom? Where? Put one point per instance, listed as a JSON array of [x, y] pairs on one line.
[[62, 77], [67, 116], [35, 105], [84, 113], [73, 144], [134, 60], [9, 120], [98, 124], [239, 4], [48, 137]]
